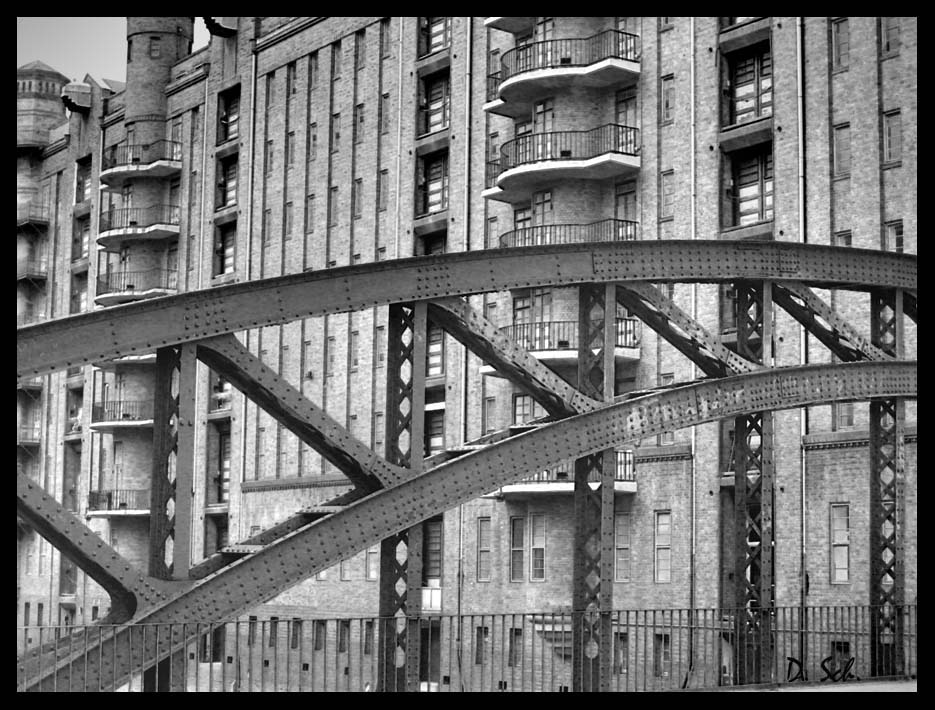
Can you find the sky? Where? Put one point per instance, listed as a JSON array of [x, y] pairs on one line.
[[76, 46]]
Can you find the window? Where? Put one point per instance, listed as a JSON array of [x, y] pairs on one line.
[[333, 207], [360, 50], [336, 133], [155, 48], [358, 197], [270, 89], [290, 148], [537, 556], [890, 36], [287, 220], [667, 99], [525, 409], [373, 562], [542, 208], [320, 630], [435, 352], [312, 141], [666, 196], [622, 545], [344, 570], [434, 34], [840, 44], [517, 549], [516, 648], [83, 182], [267, 225], [492, 230], [296, 635], [269, 157], [842, 416], [662, 655], [842, 239], [481, 639], [621, 653], [383, 189], [310, 214], [385, 113], [273, 630], [336, 61], [129, 51], [842, 150], [290, 80], [432, 194], [490, 404], [40, 621], [81, 239], [662, 541], [251, 630], [840, 543], [434, 431], [344, 634], [751, 79], [379, 345], [435, 103], [893, 236], [483, 549], [378, 433], [753, 188], [358, 124], [226, 194], [892, 137], [313, 70], [330, 347], [432, 550]]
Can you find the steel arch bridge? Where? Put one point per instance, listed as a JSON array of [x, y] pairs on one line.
[[392, 494]]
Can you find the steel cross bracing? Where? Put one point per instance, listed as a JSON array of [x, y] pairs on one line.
[[323, 543], [196, 315], [887, 495]]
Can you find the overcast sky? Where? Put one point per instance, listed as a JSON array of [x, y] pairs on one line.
[[76, 46]]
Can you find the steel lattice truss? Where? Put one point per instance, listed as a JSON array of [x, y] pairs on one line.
[[393, 495]]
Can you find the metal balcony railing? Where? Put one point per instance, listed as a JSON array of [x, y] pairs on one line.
[[34, 267], [28, 433], [669, 649], [140, 217], [490, 176], [605, 230], [119, 499], [569, 145], [563, 53], [624, 470], [563, 335], [141, 153], [122, 410], [120, 281], [493, 86]]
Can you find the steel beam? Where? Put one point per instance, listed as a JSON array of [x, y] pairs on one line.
[[887, 497], [592, 581], [319, 545], [290, 408], [196, 315], [688, 336], [822, 321], [500, 351], [401, 552], [911, 305]]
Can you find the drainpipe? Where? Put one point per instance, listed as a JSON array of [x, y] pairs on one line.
[[399, 124], [803, 334], [201, 218], [694, 183]]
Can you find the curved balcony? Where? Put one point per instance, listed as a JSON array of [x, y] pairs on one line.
[[539, 69], [118, 501], [138, 223], [513, 25], [605, 230], [561, 479], [537, 160], [125, 286], [141, 160], [135, 414]]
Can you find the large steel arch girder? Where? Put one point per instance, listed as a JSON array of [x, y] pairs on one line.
[[196, 315]]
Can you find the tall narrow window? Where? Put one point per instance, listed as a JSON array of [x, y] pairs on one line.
[[379, 345], [481, 641], [435, 351], [432, 552], [355, 349], [269, 157], [227, 182], [666, 195], [537, 548], [373, 562], [893, 236], [434, 431], [312, 141], [892, 137], [333, 207], [663, 542], [225, 238], [290, 148], [273, 630], [517, 549], [287, 220], [489, 415], [310, 214], [383, 189], [890, 36], [358, 124], [335, 133], [290, 80], [622, 545], [384, 38], [378, 433], [344, 634], [842, 150], [313, 70], [385, 113], [483, 549], [840, 543], [330, 347], [336, 61], [432, 192], [435, 101], [840, 44], [753, 188], [667, 99], [662, 655], [358, 198], [435, 34], [155, 48], [515, 658], [621, 653], [751, 86]]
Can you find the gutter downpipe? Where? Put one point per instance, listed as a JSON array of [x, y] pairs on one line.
[[694, 368], [399, 126]]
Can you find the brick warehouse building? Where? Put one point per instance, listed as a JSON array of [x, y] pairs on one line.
[[293, 144]]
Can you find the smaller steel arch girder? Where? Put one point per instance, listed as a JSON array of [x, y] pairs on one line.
[[196, 315]]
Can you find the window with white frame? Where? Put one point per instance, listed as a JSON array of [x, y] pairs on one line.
[[893, 236], [517, 549], [840, 543], [840, 44], [663, 546], [622, 546], [892, 137], [483, 549], [842, 150], [537, 547]]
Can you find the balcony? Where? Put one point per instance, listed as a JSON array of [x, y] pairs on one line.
[[33, 269], [143, 160], [33, 383], [561, 479], [539, 69], [536, 160], [126, 286], [739, 32], [605, 230], [36, 215], [115, 414], [513, 25], [138, 223], [118, 502], [556, 342], [28, 434]]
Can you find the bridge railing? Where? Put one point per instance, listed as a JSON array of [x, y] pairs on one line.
[[652, 650]]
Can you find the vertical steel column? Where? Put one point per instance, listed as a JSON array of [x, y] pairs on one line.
[[887, 497], [592, 592], [753, 495], [401, 554]]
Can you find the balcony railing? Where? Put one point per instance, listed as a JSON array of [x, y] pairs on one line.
[[28, 433], [32, 213], [605, 230], [624, 470], [569, 145], [129, 217], [119, 499], [490, 176], [563, 335], [36, 267], [141, 153], [122, 410], [493, 86], [120, 281], [563, 53]]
